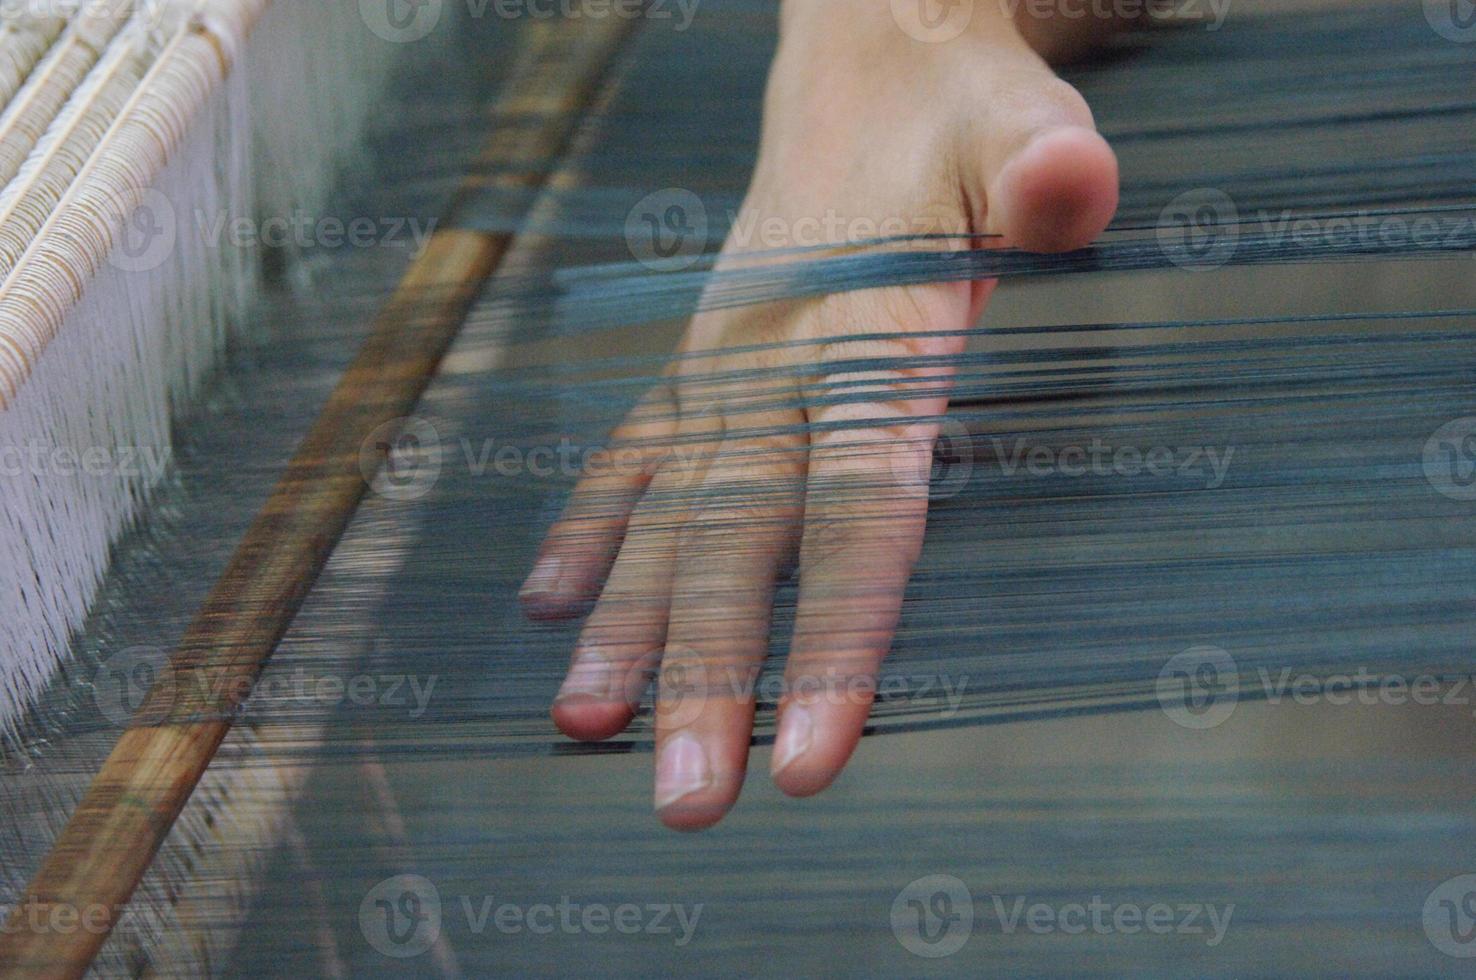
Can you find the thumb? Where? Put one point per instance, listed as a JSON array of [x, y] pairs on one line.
[[1034, 165]]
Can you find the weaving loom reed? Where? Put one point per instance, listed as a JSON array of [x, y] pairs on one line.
[[1327, 407]]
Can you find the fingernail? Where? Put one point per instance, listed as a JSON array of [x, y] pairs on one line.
[[544, 578], [796, 732], [588, 677], [681, 771]]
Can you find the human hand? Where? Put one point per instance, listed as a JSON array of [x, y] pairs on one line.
[[809, 426]]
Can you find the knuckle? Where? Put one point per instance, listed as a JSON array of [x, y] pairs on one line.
[[716, 528], [887, 544], [1063, 97], [767, 461], [1034, 98]]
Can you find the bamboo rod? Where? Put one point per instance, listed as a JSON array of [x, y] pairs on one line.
[[112, 837]]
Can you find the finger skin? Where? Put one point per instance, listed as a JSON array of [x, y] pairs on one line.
[[1016, 155], [1048, 182], [622, 641], [863, 533], [865, 516], [1058, 193], [1032, 164], [579, 548], [729, 557]]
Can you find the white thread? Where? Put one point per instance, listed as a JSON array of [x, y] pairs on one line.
[[95, 350]]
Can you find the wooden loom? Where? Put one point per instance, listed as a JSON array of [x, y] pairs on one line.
[[295, 535], [118, 827]]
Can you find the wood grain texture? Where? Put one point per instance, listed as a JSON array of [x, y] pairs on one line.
[[86, 881]]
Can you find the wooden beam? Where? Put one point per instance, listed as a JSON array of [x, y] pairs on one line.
[[86, 881]]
